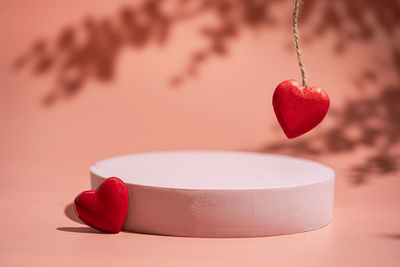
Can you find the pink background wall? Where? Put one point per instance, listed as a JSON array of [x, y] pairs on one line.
[[168, 78]]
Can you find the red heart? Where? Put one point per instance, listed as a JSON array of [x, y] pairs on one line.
[[105, 208], [299, 109]]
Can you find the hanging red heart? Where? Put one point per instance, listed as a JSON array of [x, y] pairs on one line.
[[105, 208], [299, 109]]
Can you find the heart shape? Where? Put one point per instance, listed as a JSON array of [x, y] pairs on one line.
[[299, 109], [105, 208]]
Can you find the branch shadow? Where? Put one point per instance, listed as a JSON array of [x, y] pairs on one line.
[[372, 119], [73, 61], [395, 236], [369, 123]]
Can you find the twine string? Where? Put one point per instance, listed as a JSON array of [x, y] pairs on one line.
[[297, 42]]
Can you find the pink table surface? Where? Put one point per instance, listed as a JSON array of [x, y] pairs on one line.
[[35, 231]]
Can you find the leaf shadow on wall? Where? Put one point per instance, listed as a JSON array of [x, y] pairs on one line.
[[72, 62], [371, 120]]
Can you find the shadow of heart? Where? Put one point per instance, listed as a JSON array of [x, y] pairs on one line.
[[70, 213], [80, 229]]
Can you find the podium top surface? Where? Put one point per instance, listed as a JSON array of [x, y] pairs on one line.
[[213, 170]]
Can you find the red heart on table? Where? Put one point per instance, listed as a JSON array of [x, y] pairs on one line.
[[105, 208], [299, 109]]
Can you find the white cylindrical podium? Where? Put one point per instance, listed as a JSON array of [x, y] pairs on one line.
[[221, 194]]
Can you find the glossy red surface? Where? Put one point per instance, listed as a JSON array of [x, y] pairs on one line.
[[299, 109], [105, 208]]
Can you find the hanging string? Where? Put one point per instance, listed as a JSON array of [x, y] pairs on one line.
[[297, 42]]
